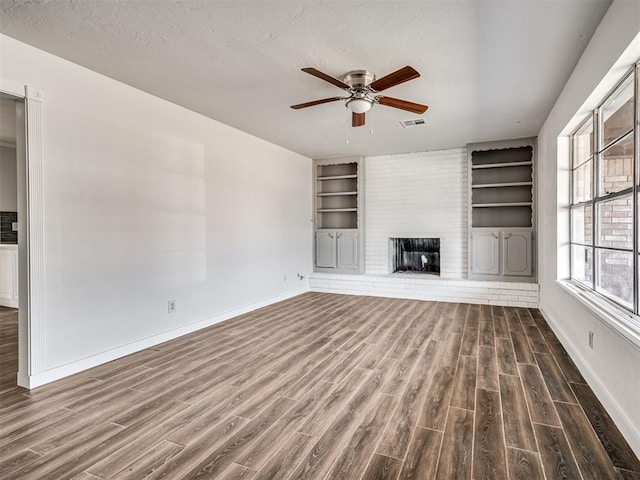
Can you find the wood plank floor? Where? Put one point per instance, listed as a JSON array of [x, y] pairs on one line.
[[322, 386]]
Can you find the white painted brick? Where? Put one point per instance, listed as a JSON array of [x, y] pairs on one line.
[[430, 288], [419, 194]]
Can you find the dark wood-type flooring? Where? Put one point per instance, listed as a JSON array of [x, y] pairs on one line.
[[322, 387]]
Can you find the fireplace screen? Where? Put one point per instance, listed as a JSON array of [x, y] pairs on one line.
[[417, 255]]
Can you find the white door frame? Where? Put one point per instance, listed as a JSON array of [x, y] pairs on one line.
[[31, 346]]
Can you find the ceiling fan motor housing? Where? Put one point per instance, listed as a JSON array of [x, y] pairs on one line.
[[360, 100], [359, 78]]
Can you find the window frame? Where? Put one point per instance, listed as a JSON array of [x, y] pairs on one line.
[[598, 150]]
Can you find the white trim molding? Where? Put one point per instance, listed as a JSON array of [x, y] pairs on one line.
[[624, 324], [32, 93], [35, 230], [31, 350], [12, 88]]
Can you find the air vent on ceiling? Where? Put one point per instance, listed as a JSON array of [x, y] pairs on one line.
[[416, 122]]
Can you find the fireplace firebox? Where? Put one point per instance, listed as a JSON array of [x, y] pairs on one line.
[[415, 255]]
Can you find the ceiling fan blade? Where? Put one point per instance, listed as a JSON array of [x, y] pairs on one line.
[[357, 119], [396, 78], [326, 78], [402, 104], [316, 102]]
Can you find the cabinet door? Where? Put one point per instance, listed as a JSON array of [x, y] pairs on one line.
[[347, 250], [485, 253], [326, 249], [8, 277], [516, 253]]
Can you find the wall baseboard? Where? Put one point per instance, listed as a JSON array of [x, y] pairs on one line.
[[627, 428], [9, 303], [23, 380], [48, 376]]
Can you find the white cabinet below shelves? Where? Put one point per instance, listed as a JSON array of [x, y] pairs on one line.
[[326, 250], [485, 253], [501, 252], [347, 250], [517, 256], [337, 250], [9, 276]]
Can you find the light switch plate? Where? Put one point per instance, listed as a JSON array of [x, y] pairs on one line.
[[14, 226]]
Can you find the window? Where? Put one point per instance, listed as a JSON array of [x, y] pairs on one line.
[[605, 198]]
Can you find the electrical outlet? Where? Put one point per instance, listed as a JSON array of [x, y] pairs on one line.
[[300, 276], [172, 306], [591, 340], [285, 278]]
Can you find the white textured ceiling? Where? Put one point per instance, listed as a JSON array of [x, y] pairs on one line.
[[490, 69]]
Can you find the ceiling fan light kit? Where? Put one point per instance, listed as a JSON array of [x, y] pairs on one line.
[[362, 87], [359, 105]]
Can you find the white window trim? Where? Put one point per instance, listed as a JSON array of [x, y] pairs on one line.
[[612, 315], [618, 319], [612, 312]]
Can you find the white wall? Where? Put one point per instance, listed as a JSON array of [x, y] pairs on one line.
[[144, 202], [417, 195], [8, 182], [612, 366]]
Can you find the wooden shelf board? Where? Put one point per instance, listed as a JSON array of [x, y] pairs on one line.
[[337, 177], [336, 194], [506, 184], [329, 210], [500, 165], [512, 204]]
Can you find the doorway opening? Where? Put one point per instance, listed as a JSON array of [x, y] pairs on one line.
[[12, 161], [27, 103]]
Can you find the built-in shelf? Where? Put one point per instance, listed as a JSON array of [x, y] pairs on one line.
[[328, 210], [338, 204], [499, 185], [337, 199], [500, 165], [501, 197], [336, 177], [335, 194], [505, 204]]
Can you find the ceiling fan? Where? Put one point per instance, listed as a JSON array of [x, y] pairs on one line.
[[362, 87]]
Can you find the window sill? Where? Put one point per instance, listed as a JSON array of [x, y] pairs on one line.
[[621, 321]]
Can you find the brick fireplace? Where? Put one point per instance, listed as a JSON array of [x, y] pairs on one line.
[[418, 195]]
